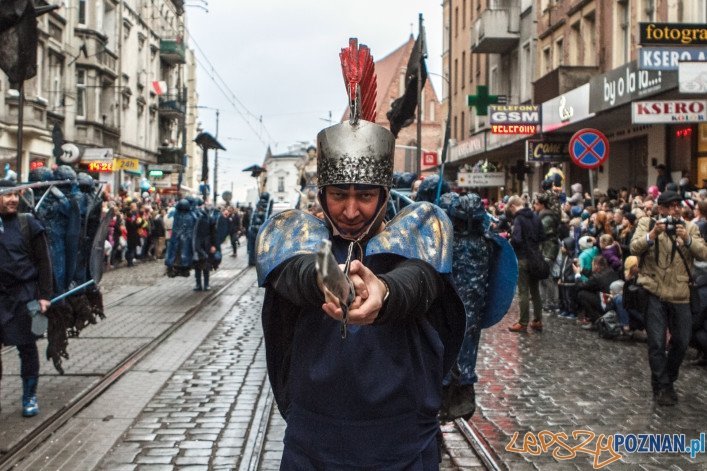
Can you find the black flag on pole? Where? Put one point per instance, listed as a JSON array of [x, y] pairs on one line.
[[402, 111]]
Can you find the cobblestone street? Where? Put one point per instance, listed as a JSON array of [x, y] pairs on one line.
[[566, 379]]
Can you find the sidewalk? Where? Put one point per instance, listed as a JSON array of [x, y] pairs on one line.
[[567, 379], [141, 303]]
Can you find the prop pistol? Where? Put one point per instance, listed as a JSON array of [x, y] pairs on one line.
[[335, 280]]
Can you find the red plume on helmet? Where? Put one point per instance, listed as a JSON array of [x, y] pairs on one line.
[[360, 80]]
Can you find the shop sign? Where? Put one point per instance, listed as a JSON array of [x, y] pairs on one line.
[[128, 165], [37, 163], [514, 114], [99, 166], [514, 129], [468, 147], [668, 58], [684, 34], [96, 154], [626, 84], [546, 151], [479, 180], [567, 108], [166, 168], [693, 77], [429, 159], [671, 111]]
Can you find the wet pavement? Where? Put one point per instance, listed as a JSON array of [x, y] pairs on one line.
[[568, 379], [201, 400]]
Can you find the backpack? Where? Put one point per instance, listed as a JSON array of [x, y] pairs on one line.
[[608, 325]]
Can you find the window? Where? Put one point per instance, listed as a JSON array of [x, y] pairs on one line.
[[589, 35], [410, 155], [526, 71], [557, 57], [81, 93], [463, 69], [455, 84], [575, 44], [648, 10], [56, 81], [456, 21], [454, 130], [547, 60], [432, 110], [82, 12], [281, 184], [463, 127], [463, 14]]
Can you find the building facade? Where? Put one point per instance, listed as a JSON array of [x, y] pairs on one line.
[[112, 75], [580, 62]]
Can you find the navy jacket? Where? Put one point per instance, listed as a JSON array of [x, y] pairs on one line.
[[527, 232]]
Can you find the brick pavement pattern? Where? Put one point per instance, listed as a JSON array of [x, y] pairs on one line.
[[566, 379]]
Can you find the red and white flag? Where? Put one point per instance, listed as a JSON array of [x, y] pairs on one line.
[[159, 87]]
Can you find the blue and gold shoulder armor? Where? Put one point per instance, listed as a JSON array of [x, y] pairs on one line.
[[422, 231], [285, 235]]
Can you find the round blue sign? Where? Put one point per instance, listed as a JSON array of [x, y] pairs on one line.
[[589, 148]]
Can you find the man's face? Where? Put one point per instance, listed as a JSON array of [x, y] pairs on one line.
[[9, 203], [618, 218], [350, 209], [670, 209], [648, 206]]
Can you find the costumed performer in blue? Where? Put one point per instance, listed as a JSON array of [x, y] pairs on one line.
[[359, 386]]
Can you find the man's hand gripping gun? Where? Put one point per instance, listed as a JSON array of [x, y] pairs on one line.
[[336, 281]]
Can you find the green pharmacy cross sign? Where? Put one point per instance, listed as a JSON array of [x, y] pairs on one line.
[[482, 100]]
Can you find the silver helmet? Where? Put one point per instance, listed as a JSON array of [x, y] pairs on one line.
[[355, 153]]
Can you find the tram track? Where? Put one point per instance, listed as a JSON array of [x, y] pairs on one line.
[[52, 423], [488, 458]]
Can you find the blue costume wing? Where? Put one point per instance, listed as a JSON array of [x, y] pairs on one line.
[[285, 235], [503, 277], [421, 231]]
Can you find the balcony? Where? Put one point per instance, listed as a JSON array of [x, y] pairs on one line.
[[170, 106], [497, 30], [561, 80], [173, 51], [109, 64], [169, 156]]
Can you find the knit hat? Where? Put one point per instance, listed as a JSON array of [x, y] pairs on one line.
[[586, 242], [616, 287]]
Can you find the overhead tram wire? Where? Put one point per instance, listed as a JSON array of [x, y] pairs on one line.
[[235, 107], [213, 75], [233, 96]]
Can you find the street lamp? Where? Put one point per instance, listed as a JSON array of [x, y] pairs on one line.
[[218, 111]]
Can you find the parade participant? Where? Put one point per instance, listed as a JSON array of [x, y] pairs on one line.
[[486, 289], [364, 393], [666, 248], [25, 275], [204, 246]]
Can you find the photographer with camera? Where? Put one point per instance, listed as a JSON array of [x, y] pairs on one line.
[[666, 248]]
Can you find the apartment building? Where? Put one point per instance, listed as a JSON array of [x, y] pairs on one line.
[[578, 60], [112, 75]]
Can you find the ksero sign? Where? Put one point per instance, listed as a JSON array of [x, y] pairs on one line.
[[672, 111]]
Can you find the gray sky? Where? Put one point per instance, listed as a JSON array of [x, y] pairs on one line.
[[279, 60]]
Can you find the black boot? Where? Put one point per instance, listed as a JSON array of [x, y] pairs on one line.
[[30, 408]]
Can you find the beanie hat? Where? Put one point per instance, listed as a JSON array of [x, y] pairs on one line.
[[586, 242]]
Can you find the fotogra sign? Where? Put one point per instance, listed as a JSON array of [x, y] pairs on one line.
[[589, 148], [684, 34], [668, 111]]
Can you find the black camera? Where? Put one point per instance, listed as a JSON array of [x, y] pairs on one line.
[[671, 224]]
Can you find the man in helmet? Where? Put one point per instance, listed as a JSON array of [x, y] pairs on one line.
[[366, 394], [25, 275]]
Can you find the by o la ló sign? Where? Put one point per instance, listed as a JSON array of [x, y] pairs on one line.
[[589, 148]]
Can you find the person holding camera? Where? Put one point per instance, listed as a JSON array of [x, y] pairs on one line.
[[666, 249]]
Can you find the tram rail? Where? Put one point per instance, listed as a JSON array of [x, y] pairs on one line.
[[51, 423]]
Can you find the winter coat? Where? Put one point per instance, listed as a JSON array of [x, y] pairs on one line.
[[612, 254], [585, 261], [551, 244], [661, 273], [528, 232]]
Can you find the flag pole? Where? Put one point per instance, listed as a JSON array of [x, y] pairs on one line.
[[419, 100], [20, 130], [448, 127]]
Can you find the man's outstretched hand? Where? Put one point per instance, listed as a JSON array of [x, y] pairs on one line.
[[370, 291]]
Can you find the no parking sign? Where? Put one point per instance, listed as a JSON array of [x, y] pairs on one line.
[[589, 148]]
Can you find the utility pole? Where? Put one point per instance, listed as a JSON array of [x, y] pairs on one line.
[[216, 164]]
